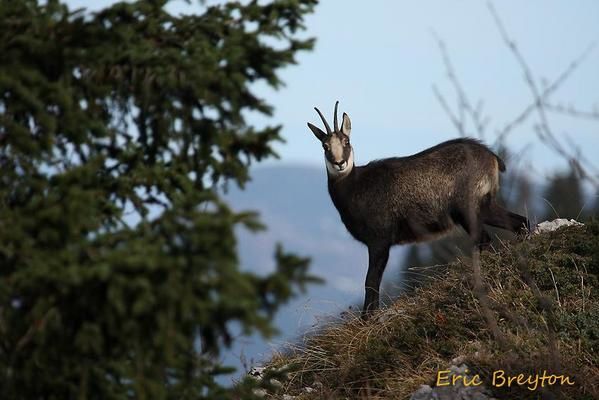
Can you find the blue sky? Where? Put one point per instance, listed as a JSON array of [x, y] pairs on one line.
[[380, 60]]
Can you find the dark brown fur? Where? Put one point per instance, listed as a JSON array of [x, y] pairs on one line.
[[409, 199], [419, 197]]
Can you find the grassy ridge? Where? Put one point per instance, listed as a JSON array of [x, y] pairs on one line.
[[543, 293]]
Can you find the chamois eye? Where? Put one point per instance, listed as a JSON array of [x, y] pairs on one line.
[[326, 147]]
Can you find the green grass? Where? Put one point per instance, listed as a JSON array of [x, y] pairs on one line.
[[554, 328]]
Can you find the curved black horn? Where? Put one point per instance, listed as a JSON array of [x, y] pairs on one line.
[[324, 121], [335, 125]]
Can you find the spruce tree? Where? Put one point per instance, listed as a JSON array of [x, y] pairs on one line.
[[564, 197], [118, 129]]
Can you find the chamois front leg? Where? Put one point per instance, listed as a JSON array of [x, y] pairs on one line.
[[377, 261]]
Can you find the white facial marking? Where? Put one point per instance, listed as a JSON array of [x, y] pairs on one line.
[[340, 170]]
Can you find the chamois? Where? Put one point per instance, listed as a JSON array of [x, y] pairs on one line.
[[415, 198]]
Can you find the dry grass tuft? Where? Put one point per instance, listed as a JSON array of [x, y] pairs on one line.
[[543, 293]]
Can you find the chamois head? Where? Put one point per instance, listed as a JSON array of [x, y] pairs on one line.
[[338, 153]]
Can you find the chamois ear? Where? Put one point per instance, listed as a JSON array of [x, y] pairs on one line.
[[346, 125], [320, 135]]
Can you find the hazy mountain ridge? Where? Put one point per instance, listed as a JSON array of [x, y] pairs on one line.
[[294, 204]]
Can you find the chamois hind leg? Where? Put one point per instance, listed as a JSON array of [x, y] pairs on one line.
[[479, 236], [471, 221], [495, 215], [484, 242], [377, 261]]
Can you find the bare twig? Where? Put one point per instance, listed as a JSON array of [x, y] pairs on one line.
[[544, 131], [550, 89], [546, 305], [479, 291], [572, 111], [464, 105], [454, 119]]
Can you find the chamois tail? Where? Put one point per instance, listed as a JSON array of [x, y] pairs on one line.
[[500, 163]]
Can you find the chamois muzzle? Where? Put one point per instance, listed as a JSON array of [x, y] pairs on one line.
[[340, 166]]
